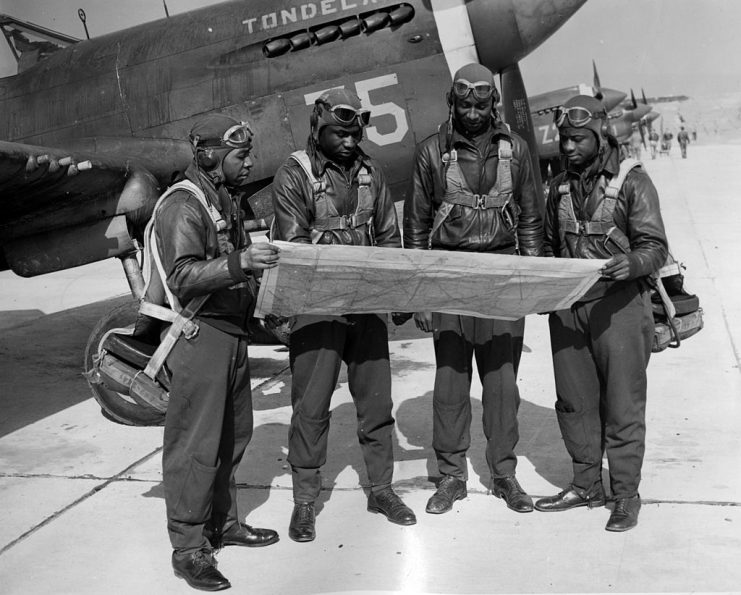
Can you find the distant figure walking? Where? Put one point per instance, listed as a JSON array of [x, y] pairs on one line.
[[683, 138], [666, 142], [636, 140], [653, 139]]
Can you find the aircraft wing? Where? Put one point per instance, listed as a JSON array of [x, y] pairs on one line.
[[67, 206]]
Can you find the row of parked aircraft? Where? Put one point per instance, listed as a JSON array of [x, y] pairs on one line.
[[93, 129]]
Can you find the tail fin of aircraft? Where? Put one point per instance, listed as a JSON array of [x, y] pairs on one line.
[[29, 43]]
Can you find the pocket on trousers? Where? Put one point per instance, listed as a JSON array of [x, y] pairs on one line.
[[194, 501]]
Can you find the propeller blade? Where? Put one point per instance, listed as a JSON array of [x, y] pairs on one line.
[[633, 99], [517, 114], [596, 82]]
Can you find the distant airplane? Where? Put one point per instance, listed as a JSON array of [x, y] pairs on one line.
[[622, 121], [93, 130]]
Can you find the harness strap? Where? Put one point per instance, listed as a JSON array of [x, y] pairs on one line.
[[181, 325], [343, 221], [602, 221], [150, 245], [334, 221], [302, 158], [504, 168], [453, 176], [180, 318], [478, 201], [613, 188], [587, 227]]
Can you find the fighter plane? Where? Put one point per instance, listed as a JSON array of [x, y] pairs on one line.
[[94, 129], [623, 121]]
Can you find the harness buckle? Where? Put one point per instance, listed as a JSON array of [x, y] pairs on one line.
[[190, 330], [480, 201]]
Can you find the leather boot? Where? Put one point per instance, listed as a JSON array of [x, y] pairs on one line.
[[625, 514], [302, 522], [199, 571], [241, 534], [388, 503], [573, 497], [509, 489], [448, 491]]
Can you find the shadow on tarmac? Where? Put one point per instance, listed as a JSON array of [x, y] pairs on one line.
[[41, 367], [41, 364]]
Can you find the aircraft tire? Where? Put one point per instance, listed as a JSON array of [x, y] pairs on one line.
[[115, 406]]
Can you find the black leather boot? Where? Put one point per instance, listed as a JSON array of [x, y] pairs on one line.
[[625, 514], [448, 491], [573, 497], [302, 522], [199, 571], [509, 489], [388, 503], [241, 534]]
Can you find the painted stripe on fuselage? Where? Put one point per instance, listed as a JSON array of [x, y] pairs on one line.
[[456, 36]]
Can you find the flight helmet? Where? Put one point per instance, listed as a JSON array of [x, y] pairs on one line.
[[337, 107], [215, 135], [473, 78], [583, 111]]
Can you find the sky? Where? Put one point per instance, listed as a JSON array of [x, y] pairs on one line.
[[665, 47]]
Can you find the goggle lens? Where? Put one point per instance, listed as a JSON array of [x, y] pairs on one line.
[[481, 90], [238, 136], [577, 116], [347, 115]]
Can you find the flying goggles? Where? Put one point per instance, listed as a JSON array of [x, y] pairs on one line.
[[347, 115], [481, 90], [577, 116], [238, 136]]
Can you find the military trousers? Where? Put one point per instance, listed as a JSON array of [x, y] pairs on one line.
[[208, 425], [600, 352], [497, 346], [316, 354]]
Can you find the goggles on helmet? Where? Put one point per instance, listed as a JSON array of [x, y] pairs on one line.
[[238, 136], [481, 90], [577, 116], [347, 115]]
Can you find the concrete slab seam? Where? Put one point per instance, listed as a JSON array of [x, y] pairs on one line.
[[77, 501]]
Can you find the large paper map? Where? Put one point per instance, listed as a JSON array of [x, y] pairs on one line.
[[330, 279]]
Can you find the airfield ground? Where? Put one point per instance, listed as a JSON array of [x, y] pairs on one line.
[[81, 498]]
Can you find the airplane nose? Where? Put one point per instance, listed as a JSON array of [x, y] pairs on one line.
[[641, 110], [517, 30], [612, 98]]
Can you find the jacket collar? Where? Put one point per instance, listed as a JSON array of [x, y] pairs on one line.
[[320, 162], [217, 195], [608, 163], [494, 132]]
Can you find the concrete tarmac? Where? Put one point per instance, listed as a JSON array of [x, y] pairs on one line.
[[82, 509]]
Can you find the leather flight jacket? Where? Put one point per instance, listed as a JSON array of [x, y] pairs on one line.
[[478, 199], [352, 207], [201, 259], [582, 222]]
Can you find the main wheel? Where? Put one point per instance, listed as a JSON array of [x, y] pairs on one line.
[[114, 405]]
